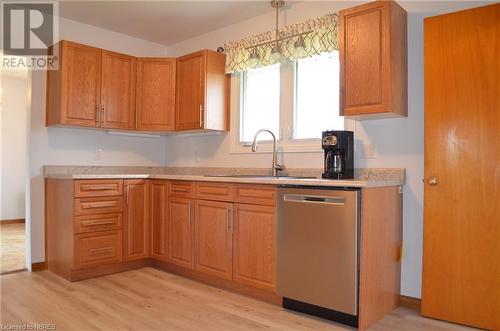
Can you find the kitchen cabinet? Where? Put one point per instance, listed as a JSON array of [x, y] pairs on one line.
[[202, 92], [213, 238], [159, 219], [155, 94], [118, 91], [136, 219], [73, 91], [254, 246], [373, 60], [180, 223]]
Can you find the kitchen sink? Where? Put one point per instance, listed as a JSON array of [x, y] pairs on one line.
[[262, 176]]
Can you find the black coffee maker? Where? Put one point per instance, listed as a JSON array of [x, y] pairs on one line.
[[339, 154]]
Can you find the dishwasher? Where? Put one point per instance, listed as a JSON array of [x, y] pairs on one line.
[[318, 251]]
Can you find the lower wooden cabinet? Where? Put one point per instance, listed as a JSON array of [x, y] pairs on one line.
[[213, 246], [159, 220], [180, 223], [136, 219], [254, 246], [92, 249]]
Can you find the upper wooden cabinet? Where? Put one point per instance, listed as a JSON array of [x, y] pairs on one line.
[[373, 60], [73, 91], [118, 91], [155, 94], [202, 92]]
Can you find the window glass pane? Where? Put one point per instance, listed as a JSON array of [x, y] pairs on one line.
[[317, 96], [261, 102]]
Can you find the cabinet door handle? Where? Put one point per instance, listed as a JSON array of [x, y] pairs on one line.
[[189, 212], [100, 250], [201, 116], [98, 113], [97, 223], [103, 114], [104, 204], [97, 187], [228, 226], [126, 193]]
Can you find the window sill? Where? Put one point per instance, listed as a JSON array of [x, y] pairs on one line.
[[267, 148]]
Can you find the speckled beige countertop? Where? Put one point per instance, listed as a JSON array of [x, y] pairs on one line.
[[363, 177]]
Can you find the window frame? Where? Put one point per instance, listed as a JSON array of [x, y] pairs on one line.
[[288, 97]]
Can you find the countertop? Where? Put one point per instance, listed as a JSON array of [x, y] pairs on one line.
[[363, 177]]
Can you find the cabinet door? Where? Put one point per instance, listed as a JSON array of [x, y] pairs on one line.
[[190, 100], [213, 238], [372, 47], [180, 223], [159, 219], [254, 253], [137, 222], [155, 109], [73, 92], [118, 90]]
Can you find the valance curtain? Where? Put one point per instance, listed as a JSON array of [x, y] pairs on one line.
[[322, 38]]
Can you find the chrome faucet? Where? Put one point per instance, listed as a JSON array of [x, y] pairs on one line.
[[275, 166]]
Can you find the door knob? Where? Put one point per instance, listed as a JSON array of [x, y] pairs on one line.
[[433, 181]]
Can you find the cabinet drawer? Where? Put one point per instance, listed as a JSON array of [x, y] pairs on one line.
[[181, 189], [101, 205], [214, 191], [98, 187], [93, 223], [256, 194], [98, 248]]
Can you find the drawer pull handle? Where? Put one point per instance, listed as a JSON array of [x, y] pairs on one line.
[[100, 250], [99, 204], [180, 189], [97, 223], [98, 187]]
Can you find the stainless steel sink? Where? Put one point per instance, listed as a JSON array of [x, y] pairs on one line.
[[261, 176]]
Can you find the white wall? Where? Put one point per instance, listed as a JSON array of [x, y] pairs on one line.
[[70, 146], [14, 125], [398, 142]]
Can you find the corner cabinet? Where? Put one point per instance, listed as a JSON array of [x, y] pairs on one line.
[[373, 60], [155, 94], [202, 92]]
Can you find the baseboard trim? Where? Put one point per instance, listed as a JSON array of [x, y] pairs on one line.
[[38, 266], [410, 302], [12, 221]]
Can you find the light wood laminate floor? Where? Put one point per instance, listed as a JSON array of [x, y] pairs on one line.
[[12, 247], [150, 299]]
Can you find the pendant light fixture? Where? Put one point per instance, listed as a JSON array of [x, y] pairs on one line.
[[277, 49]]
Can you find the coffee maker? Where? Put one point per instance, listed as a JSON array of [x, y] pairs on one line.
[[339, 154]]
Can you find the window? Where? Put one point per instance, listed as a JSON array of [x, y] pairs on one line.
[[316, 96], [261, 101], [296, 100]]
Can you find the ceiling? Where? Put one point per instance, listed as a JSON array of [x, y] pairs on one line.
[[167, 22], [162, 22]]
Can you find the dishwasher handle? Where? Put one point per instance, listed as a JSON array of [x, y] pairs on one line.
[[339, 201]]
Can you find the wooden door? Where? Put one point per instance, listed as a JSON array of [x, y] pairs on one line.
[[137, 219], [155, 109], [461, 262], [159, 219], [254, 246], [180, 223], [73, 92], [190, 100], [373, 65], [118, 90], [213, 238]]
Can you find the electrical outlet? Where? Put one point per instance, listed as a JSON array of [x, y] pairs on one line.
[[369, 151], [98, 154]]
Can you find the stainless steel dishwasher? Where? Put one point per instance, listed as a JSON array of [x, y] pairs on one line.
[[317, 242]]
